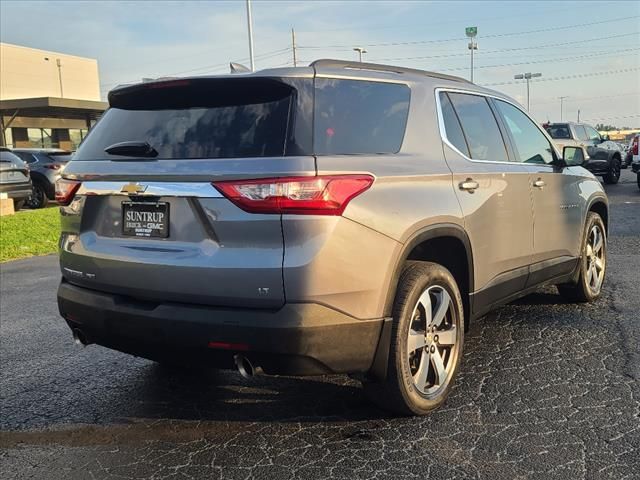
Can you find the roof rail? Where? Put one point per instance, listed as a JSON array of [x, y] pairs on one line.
[[329, 63]]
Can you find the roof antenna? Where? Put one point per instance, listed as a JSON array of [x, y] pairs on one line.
[[238, 68]]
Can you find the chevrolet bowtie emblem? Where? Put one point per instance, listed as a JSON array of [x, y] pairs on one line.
[[132, 188]]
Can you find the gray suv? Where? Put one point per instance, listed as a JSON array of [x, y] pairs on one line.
[[339, 218]]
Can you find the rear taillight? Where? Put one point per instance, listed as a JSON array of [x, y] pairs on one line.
[[65, 190], [322, 195], [634, 147]]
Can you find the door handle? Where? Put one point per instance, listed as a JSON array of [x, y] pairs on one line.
[[469, 185], [539, 183]]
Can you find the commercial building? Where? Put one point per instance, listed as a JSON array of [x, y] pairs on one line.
[[47, 99]]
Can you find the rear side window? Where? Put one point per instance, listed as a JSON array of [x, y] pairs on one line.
[[480, 127], [186, 119], [453, 130], [359, 117], [559, 131]]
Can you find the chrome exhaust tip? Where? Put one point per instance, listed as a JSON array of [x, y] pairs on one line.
[[245, 367], [79, 337]]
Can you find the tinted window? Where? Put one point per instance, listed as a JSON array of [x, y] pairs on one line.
[[353, 116], [217, 118], [580, 132], [453, 130], [559, 131], [592, 133], [26, 157], [480, 127], [531, 145]]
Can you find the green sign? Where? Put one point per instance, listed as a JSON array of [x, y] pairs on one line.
[[471, 31]]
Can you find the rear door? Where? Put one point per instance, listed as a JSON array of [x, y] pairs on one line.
[[152, 226]]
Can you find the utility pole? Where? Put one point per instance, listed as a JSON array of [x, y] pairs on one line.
[[527, 76], [360, 51], [293, 45], [561, 103], [471, 32], [578, 116], [250, 31]]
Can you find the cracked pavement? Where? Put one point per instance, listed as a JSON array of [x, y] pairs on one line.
[[547, 389]]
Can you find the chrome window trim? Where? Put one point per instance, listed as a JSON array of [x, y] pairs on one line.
[[443, 134], [155, 189]]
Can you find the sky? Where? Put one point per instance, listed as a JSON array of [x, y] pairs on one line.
[[587, 51]]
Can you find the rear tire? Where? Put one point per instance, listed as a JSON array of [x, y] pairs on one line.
[[613, 176], [38, 198], [427, 337], [593, 263]]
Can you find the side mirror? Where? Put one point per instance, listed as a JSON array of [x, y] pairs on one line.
[[606, 138], [573, 156]]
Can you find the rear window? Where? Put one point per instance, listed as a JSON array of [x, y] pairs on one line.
[[188, 119], [559, 131], [359, 117]]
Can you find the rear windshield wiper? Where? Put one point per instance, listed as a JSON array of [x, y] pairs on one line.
[[132, 149]]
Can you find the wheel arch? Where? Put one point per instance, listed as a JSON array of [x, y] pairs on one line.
[[428, 244], [600, 206], [413, 249]]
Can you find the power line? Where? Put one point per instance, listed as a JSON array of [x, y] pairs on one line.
[[550, 45], [457, 39], [568, 77], [588, 99], [261, 57], [635, 115], [552, 60]]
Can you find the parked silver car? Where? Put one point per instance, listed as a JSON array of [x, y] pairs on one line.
[[14, 178], [343, 217]]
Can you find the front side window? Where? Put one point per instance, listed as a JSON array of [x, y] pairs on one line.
[[592, 133], [480, 127], [359, 117], [580, 132], [531, 144]]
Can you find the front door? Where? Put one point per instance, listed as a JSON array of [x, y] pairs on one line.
[[557, 206]]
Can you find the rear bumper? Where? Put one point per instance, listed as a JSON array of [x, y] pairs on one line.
[[297, 339], [16, 190]]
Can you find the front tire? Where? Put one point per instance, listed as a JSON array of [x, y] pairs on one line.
[[613, 176], [593, 263], [427, 339]]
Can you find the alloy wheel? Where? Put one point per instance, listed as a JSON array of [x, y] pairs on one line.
[[432, 341], [596, 259]]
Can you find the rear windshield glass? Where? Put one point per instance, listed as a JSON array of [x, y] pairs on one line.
[[354, 116], [185, 120], [559, 131]]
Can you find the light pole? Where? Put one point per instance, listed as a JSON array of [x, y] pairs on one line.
[[471, 32], [360, 51], [561, 104], [527, 76], [59, 65], [250, 31]]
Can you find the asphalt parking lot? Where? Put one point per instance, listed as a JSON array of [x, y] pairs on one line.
[[547, 390]]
